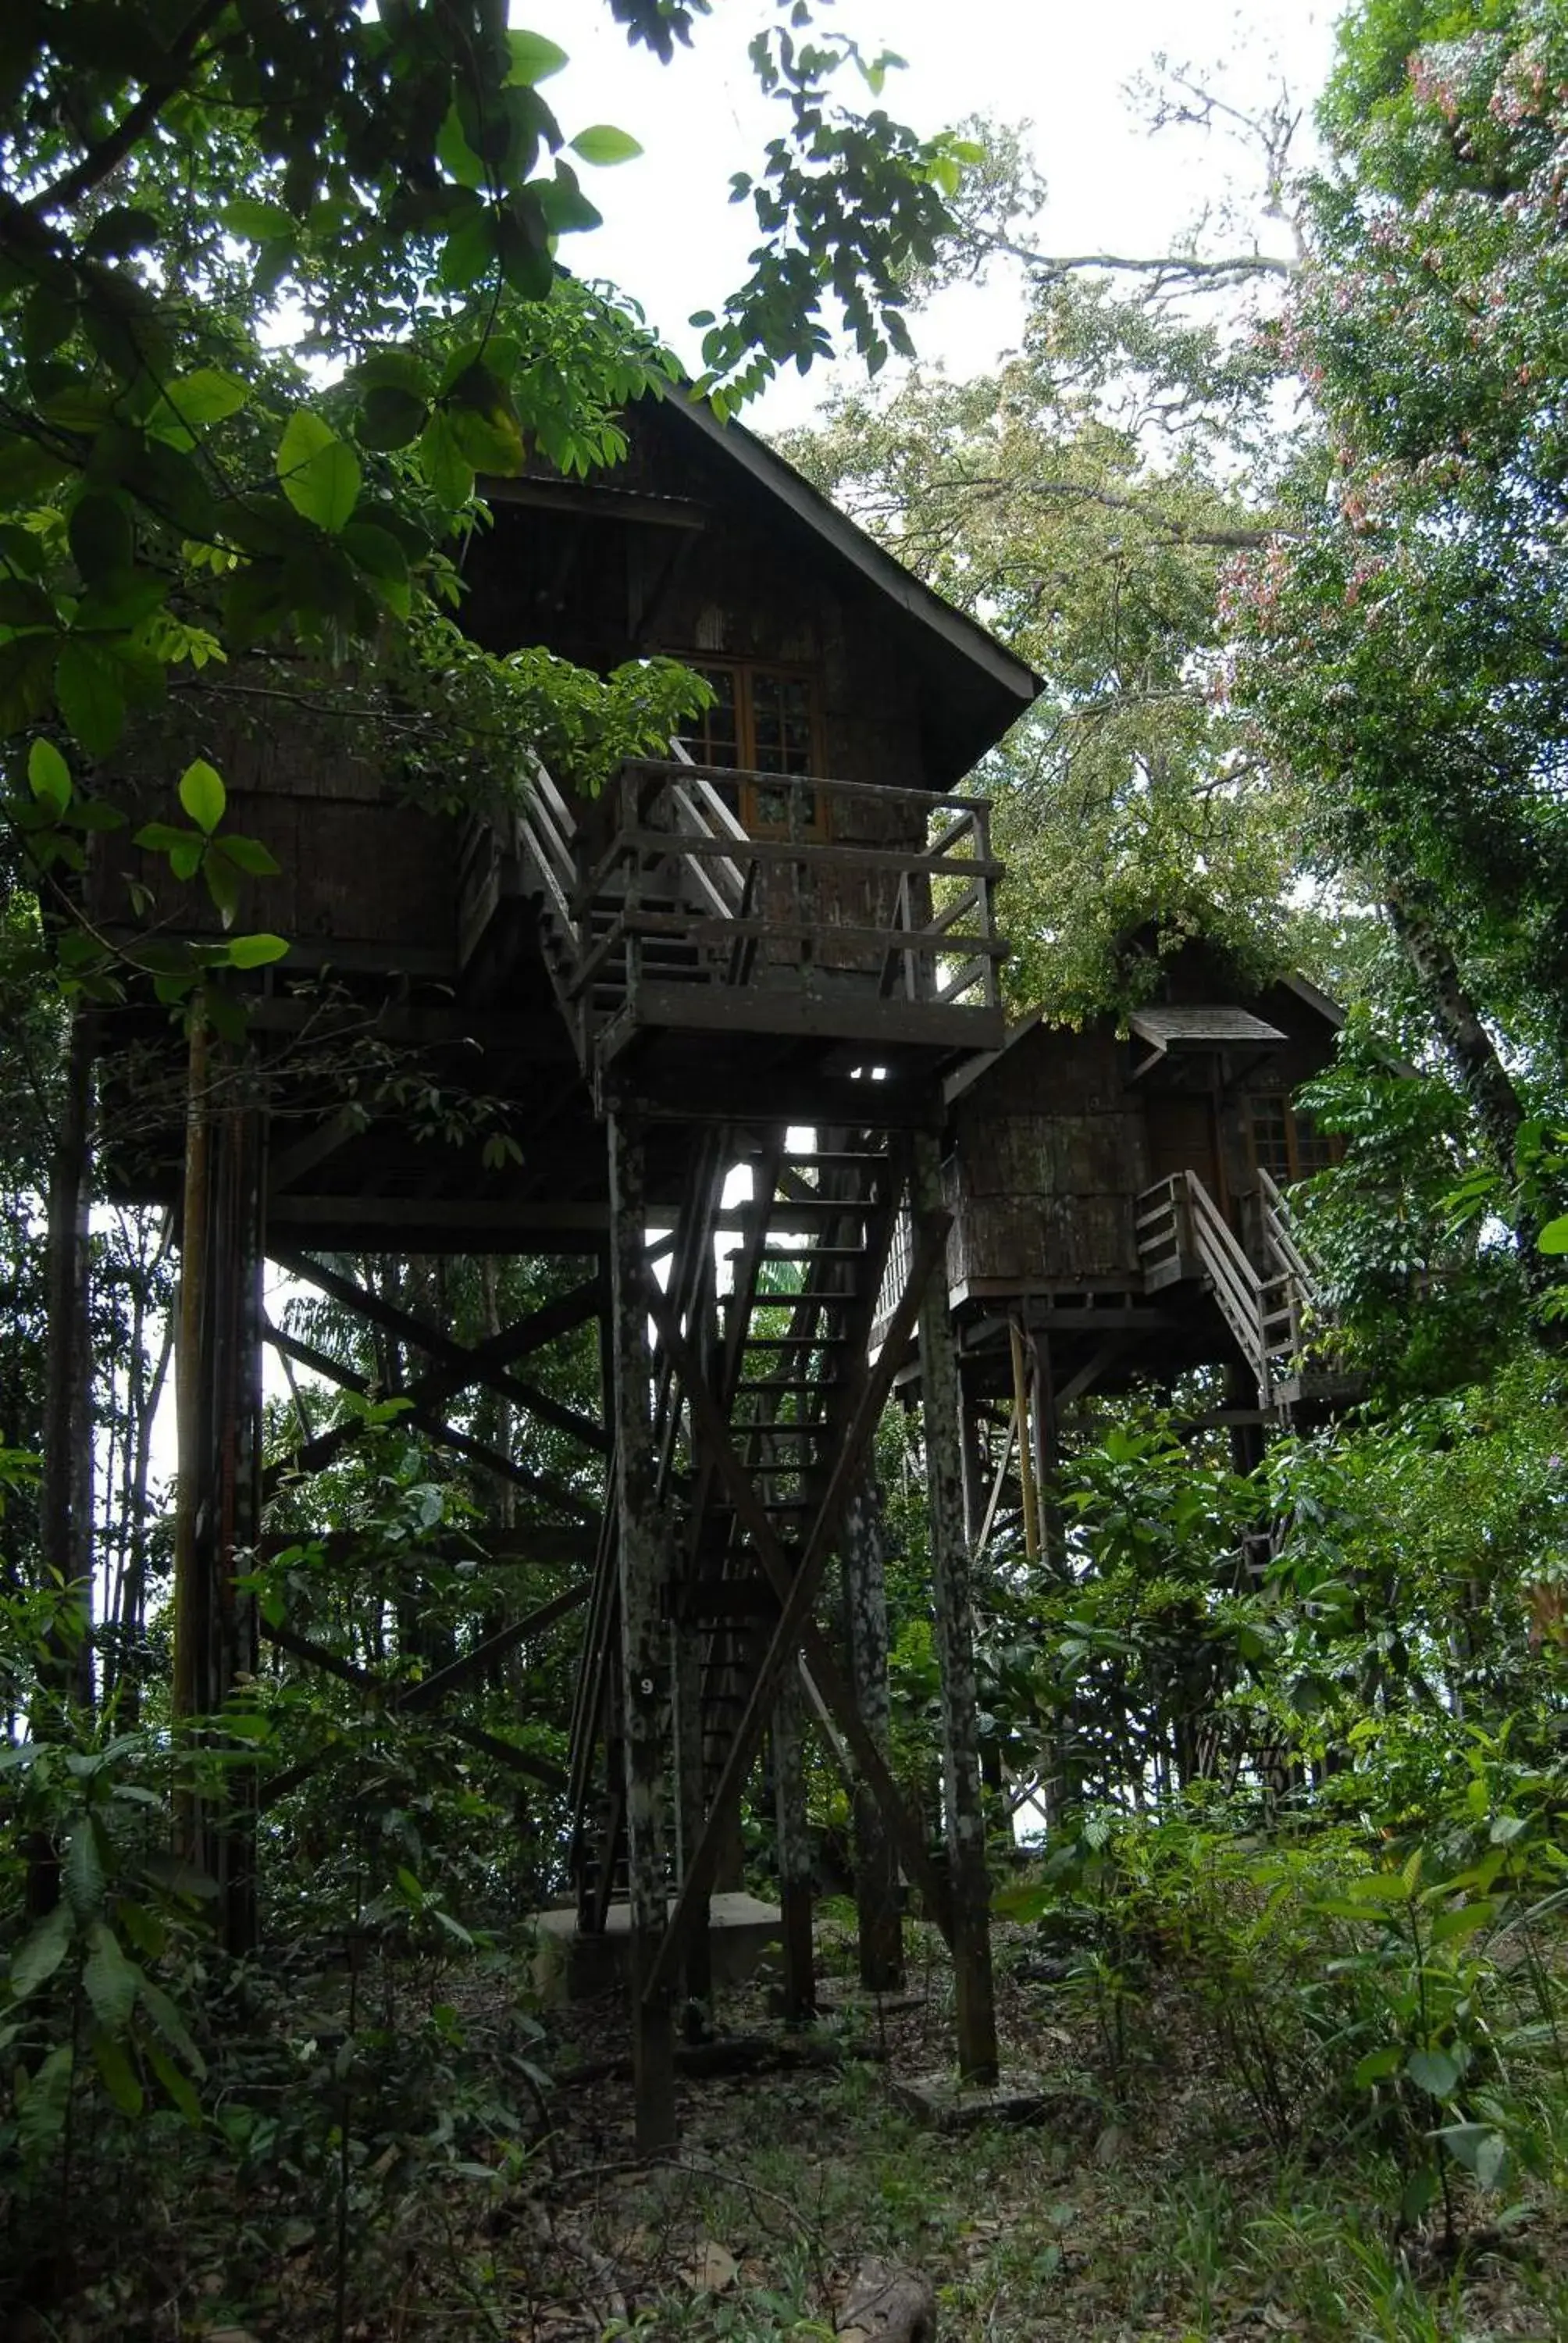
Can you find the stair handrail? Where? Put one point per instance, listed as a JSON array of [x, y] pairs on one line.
[[1278, 1234], [700, 809], [545, 821], [1238, 1288]]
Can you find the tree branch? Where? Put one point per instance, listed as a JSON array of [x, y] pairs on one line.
[[107, 153], [1053, 267]]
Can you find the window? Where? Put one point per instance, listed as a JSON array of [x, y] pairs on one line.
[[1287, 1142], [763, 719]]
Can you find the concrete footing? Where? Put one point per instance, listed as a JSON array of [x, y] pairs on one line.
[[942, 2102], [571, 1967]]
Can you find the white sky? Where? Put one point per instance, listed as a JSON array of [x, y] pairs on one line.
[[672, 239]]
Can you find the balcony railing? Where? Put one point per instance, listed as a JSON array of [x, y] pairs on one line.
[[848, 911]]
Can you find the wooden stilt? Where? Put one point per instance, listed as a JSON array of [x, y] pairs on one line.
[[1048, 1455], [1025, 1435], [965, 1816], [794, 1845], [877, 1900], [696, 1971], [65, 1485], [218, 1368], [972, 1457], [644, 1644]]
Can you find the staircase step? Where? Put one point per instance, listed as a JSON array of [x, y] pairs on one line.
[[805, 1253], [791, 1341]]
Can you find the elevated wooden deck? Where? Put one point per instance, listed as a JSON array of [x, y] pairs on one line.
[[858, 933]]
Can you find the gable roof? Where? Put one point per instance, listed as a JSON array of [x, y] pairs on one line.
[[846, 538]]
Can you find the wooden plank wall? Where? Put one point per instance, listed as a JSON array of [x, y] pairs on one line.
[[1048, 1153], [363, 876]]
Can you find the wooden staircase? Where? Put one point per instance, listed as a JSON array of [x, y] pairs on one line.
[[778, 1315], [1276, 1314]]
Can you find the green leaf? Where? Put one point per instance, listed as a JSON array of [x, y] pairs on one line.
[[169, 2023], [203, 795], [118, 2075], [24, 605], [446, 469], [1436, 2071], [124, 228], [143, 1928], [603, 144], [258, 223], [533, 59], [102, 537], [1479, 2148], [110, 1979], [378, 553], [390, 417], [319, 471], [255, 952], [566, 210], [179, 2087], [1419, 2190], [469, 252], [117, 603], [394, 369], [1553, 1237], [195, 402], [49, 319], [222, 883], [1377, 2067], [83, 1874], [1449, 1926], [41, 1954], [91, 696], [249, 855], [484, 422], [48, 774]]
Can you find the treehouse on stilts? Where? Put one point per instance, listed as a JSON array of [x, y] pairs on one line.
[[1118, 1217], [723, 1004]]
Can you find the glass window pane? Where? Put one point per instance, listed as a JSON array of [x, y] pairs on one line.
[[1271, 1138], [714, 736], [782, 722]]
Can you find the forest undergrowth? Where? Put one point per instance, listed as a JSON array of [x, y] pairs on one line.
[[1281, 2090]]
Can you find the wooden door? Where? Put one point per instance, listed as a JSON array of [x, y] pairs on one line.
[[1181, 1139]]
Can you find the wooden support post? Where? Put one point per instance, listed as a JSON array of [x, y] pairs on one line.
[[1025, 1441], [975, 1462], [1048, 1455], [218, 1366], [644, 1642], [794, 1844], [690, 1808], [881, 1931], [65, 1482], [965, 1814]]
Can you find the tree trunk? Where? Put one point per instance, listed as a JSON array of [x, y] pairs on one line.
[[1472, 1052], [67, 1482]]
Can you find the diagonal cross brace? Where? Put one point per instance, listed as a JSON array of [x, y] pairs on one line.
[[796, 1591], [462, 1364]]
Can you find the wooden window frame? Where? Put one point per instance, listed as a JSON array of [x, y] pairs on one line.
[[750, 790], [1283, 1109]]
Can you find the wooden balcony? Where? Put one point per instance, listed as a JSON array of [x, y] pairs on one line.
[[855, 922]]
